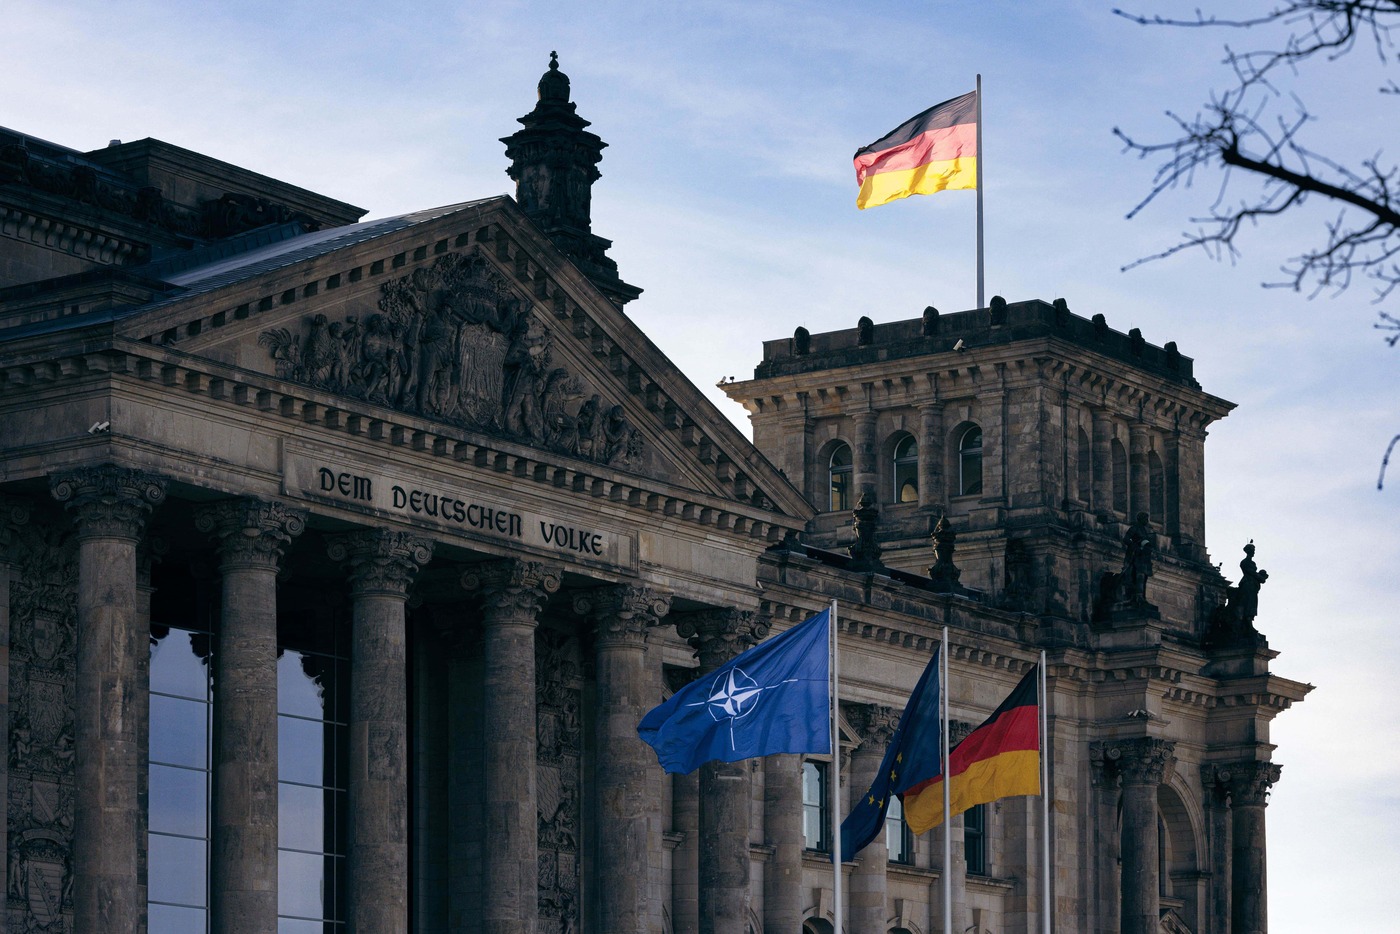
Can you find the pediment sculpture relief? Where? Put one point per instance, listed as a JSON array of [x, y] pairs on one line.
[[452, 342]]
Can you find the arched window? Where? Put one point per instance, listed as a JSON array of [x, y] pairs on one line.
[[970, 461], [840, 470], [906, 470]]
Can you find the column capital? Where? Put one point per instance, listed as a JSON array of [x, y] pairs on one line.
[[1250, 782], [513, 589], [874, 724], [13, 514], [1141, 761], [720, 634], [252, 533], [109, 501], [623, 614], [380, 561]]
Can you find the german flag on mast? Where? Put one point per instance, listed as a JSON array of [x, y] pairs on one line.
[[999, 759], [935, 151]]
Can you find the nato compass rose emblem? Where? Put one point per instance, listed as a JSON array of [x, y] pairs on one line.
[[733, 696]]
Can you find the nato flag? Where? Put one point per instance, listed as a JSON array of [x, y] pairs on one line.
[[776, 697], [913, 751]]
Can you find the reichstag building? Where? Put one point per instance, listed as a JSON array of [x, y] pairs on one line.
[[339, 560]]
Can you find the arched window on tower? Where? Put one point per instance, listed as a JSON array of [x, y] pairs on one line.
[[906, 470], [970, 461], [840, 470]]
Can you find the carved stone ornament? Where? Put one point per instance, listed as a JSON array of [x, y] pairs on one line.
[[865, 550], [1142, 761], [513, 589], [1250, 782], [623, 614], [109, 501], [380, 561], [874, 724], [452, 342], [719, 635], [251, 533]]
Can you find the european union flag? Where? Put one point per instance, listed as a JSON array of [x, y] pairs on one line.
[[913, 756], [774, 698]]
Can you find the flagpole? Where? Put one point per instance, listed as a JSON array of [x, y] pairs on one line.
[[947, 794], [981, 286], [1046, 910], [835, 775]]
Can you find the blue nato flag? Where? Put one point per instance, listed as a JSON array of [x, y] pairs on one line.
[[774, 698]]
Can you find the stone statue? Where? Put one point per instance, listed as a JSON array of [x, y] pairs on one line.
[[1137, 560], [943, 572], [1251, 579], [865, 551]]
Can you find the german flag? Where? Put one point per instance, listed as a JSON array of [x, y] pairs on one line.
[[934, 151], [999, 759]]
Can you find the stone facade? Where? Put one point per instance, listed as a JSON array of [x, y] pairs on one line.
[[339, 561]]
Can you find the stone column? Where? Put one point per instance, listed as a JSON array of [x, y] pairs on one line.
[[1172, 494], [512, 593], [13, 513], [1102, 487], [1105, 842], [685, 871], [1139, 479], [782, 829], [381, 565], [719, 635], [874, 725], [865, 471], [933, 457], [1215, 781], [622, 616], [1249, 792], [110, 506], [1142, 766], [252, 536]]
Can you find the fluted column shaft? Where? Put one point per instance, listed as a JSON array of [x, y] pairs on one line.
[[1215, 781], [110, 506], [1249, 792], [1142, 765], [782, 828], [13, 513], [724, 786], [381, 565], [243, 863], [875, 725], [622, 617], [513, 593], [933, 484]]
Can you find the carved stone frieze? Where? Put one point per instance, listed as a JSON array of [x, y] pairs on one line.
[[623, 615], [453, 342], [719, 635], [558, 786], [379, 560], [516, 589], [251, 533], [109, 501], [874, 724]]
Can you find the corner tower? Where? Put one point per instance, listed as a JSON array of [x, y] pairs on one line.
[[554, 163]]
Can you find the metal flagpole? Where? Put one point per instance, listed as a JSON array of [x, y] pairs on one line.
[[1047, 905], [835, 774], [947, 794], [981, 287]]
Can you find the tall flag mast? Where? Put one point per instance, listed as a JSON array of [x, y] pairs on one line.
[[981, 278]]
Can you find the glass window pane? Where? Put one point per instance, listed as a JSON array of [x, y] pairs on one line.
[[295, 926], [297, 691], [176, 669], [179, 801], [301, 817], [301, 883], [301, 755], [168, 919], [177, 870], [179, 731]]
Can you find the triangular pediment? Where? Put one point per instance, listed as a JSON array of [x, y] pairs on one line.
[[469, 319]]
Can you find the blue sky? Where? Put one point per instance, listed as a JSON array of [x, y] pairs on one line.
[[728, 190]]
